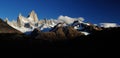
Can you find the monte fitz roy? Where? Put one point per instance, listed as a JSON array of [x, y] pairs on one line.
[[28, 24], [65, 34]]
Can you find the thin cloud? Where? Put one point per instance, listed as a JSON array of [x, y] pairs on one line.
[[107, 25]]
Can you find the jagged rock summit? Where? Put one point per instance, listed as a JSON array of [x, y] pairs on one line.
[[31, 20], [27, 24], [33, 16]]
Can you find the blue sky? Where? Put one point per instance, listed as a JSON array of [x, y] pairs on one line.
[[95, 11]]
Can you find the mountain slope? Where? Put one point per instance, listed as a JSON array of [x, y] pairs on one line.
[[5, 28]]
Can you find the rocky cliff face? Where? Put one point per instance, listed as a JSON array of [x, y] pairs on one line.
[[33, 16], [32, 20]]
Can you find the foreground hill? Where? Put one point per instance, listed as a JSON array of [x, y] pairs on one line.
[[5, 28], [97, 43], [9, 33]]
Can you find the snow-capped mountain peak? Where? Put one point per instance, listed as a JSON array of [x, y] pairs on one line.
[[33, 17], [28, 24]]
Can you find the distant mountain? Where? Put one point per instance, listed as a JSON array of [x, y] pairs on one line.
[[29, 23]]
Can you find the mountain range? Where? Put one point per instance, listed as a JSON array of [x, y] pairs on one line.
[[26, 24], [65, 36], [29, 23]]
